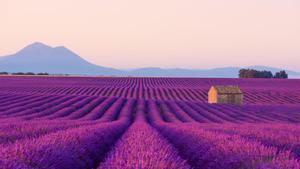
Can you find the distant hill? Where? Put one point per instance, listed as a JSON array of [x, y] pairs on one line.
[[274, 69], [226, 72], [39, 57], [217, 72]]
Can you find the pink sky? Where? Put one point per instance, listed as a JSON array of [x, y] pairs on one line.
[[159, 33]]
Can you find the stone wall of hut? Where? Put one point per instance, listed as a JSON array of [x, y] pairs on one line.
[[230, 99]]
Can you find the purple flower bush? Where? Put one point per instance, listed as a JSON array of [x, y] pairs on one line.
[[142, 147], [147, 123], [81, 147]]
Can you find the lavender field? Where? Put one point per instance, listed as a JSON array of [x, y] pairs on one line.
[[147, 123]]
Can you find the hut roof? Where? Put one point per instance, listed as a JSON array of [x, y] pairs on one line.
[[228, 89]]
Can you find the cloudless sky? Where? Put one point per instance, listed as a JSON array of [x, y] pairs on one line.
[[159, 33]]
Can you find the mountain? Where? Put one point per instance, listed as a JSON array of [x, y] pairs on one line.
[[217, 72], [39, 57], [225, 72], [274, 69]]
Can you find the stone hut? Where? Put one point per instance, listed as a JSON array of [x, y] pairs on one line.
[[225, 95]]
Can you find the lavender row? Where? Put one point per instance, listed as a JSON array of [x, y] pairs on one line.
[[17, 130], [71, 107], [282, 136], [77, 148], [204, 149], [142, 147], [257, 91]]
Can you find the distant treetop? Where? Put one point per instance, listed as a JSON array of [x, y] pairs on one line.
[[252, 73]]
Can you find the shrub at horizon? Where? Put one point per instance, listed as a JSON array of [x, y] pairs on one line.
[[252, 73]]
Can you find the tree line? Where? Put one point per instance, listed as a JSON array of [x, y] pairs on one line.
[[24, 73], [252, 73]]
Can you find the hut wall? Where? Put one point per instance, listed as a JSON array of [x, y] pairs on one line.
[[230, 99], [212, 96], [238, 99]]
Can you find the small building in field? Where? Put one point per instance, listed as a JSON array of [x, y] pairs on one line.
[[225, 95]]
